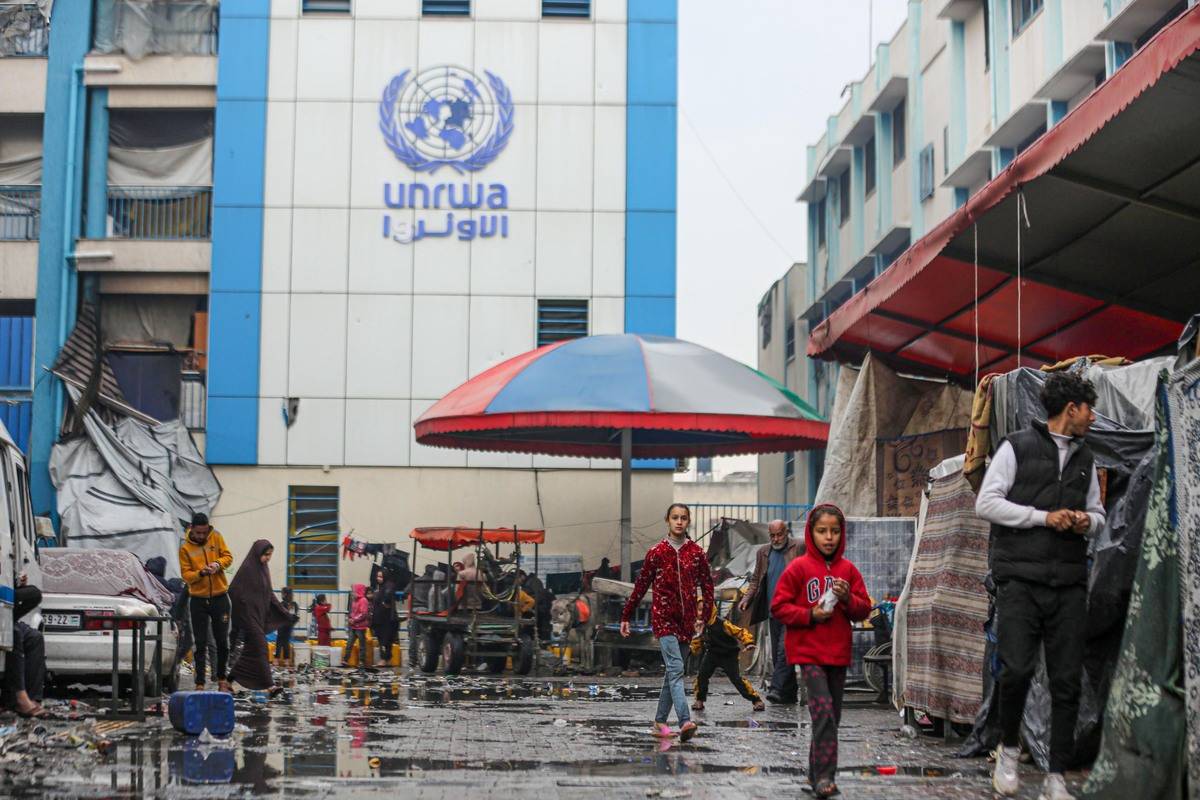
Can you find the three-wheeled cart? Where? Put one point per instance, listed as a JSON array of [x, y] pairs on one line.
[[471, 622]]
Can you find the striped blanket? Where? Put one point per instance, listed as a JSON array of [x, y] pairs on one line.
[[947, 606]]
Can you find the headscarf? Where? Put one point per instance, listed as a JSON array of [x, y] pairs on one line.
[[251, 593]]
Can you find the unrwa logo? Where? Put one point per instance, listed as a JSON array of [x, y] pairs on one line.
[[446, 116]]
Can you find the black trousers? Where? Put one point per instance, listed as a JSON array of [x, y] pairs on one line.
[[783, 677], [709, 663], [826, 686], [283, 643], [205, 611], [25, 666], [1032, 616]]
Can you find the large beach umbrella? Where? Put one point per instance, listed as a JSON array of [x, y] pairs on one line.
[[622, 396]]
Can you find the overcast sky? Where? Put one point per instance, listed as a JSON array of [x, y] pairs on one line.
[[757, 79]]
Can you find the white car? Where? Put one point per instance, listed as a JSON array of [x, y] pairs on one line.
[[81, 587]]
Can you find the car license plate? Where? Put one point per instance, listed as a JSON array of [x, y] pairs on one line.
[[60, 620]]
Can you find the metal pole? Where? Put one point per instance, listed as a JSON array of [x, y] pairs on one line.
[[626, 504]]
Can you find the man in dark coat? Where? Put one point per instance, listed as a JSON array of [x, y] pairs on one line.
[[769, 563], [1042, 495]]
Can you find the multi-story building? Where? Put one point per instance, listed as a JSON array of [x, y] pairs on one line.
[[961, 89], [338, 211], [785, 478]]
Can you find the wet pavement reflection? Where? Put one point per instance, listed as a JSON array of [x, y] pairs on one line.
[[383, 734]]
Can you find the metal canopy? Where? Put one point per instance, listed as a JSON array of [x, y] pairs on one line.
[[1109, 260]]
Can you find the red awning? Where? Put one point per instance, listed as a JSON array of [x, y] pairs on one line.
[[454, 538], [1109, 257]]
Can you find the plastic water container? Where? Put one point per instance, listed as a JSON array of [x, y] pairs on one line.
[[192, 712], [326, 657], [303, 652]]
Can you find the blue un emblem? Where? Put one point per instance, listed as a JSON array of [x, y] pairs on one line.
[[446, 116]]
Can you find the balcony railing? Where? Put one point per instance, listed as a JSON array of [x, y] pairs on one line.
[[23, 30], [160, 212], [20, 212], [138, 29]]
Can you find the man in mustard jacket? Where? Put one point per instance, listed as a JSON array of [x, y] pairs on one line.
[[203, 559]]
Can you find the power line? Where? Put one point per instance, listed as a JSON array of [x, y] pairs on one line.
[[721, 171]]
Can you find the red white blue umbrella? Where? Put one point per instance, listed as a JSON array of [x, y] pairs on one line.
[[622, 396]]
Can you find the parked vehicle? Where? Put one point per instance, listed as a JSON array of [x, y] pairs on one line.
[[80, 588], [18, 538]]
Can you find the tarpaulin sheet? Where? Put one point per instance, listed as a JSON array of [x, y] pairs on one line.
[[70, 570], [130, 486], [875, 403], [139, 28], [454, 538]]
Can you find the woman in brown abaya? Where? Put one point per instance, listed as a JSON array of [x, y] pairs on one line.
[[256, 612]]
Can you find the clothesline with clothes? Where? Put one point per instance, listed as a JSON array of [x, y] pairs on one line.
[[353, 547]]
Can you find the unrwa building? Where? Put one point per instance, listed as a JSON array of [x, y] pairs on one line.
[[401, 194]]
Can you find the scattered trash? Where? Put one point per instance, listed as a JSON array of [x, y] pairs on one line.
[[908, 731], [886, 770], [374, 763], [560, 723]]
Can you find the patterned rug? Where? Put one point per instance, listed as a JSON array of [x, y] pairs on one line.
[[1184, 401], [947, 606], [1142, 750]]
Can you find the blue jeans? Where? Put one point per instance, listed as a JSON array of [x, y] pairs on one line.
[[672, 690]]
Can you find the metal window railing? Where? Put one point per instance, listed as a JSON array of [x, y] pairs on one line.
[[24, 31], [706, 515], [192, 401], [160, 212], [561, 319], [20, 212]]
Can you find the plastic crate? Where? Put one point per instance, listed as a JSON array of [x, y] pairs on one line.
[[193, 712]]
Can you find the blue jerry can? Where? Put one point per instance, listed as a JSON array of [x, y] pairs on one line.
[[192, 712]]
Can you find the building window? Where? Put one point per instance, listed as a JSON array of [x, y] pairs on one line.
[[844, 197], [561, 319], [313, 537], [987, 35], [945, 151], [764, 318], [1023, 12], [927, 172], [789, 465], [325, 6], [446, 8], [821, 222], [899, 143], [1031, 138], [580, 9], [869, 166], [789, 342]]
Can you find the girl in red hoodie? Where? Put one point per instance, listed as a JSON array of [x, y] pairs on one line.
[[320, 611], [818, 596]]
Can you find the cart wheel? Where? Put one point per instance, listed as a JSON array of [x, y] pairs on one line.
[[454, 652], [495, 664], [428, 655], [523, 663]]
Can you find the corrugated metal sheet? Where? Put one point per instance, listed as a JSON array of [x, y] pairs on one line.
[[16, 365]]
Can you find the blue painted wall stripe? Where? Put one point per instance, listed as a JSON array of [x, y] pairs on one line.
[[16, 360], [97, 164], [1052, 36], [652, 67], [235, 301], [915, 118], [54, 309], [958, 94]]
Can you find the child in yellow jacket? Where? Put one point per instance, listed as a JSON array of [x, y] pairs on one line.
[[722, 642]]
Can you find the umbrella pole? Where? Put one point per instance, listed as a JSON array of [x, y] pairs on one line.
[[626, 504]]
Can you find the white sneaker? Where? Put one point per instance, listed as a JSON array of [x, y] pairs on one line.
[[1005, 778], [1055, 788]]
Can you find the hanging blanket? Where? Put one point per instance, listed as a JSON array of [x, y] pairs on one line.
[[1184, 399], [1142, 749], [947, 606]]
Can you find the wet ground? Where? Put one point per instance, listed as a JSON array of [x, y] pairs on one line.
[[385, 735]]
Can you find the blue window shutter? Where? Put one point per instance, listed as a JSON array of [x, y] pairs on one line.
[[446, 8], [561, 319], [581, 9]]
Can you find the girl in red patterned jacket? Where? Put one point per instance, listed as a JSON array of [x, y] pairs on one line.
[[676, 567], [817, 598]]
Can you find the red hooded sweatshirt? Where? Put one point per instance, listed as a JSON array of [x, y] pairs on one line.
[[801, 586], [360, 610]]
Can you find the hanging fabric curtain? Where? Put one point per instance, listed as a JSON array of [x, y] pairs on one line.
[[180, 165], [20, 150], [139, 28]]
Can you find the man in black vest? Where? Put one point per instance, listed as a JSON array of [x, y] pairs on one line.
[[1042, 496]]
